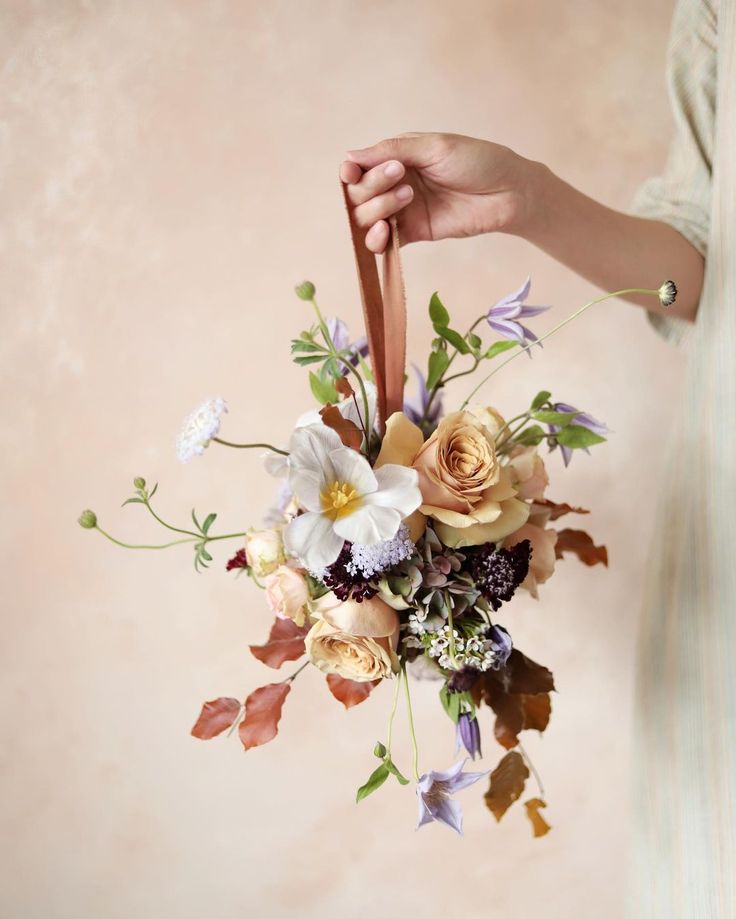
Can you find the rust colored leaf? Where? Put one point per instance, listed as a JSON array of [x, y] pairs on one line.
[[344, 388], [559, 510], [579, 542], [508, 710], [539, 824], [262, 714], [522, 674], [536, 709], [216, 716], [349, 432], [507, 784], [285, 643], [349, 692]]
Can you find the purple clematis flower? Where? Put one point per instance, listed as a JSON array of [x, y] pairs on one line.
[[435, 790], [341, 339], [503, 317], [415, 409], [468, 734], [584, 420]]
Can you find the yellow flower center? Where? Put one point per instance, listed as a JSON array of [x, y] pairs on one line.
[[339, 500]]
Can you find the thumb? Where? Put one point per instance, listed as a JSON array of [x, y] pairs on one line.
[[410, 149]]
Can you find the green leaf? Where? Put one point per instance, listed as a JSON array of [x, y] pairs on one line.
[[389, 764], [475, 342], [540, 399], [209, 520], [498, 347], [550, 417], [438, 361], [314, 359], [531, 436], [576, 437], [437, 312], [203, 553], [196, 522], [299, 344], [322, 391], [153, 491], [451, 703], [455, 338], [133, 501], [377, 778]]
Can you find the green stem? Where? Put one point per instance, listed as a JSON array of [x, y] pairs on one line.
[[168, 525], [451, 628], [412, 733], [561, 325], [507, 427], [226, 536], [392, 715], [227, 443], [442, 380], [125, 545], [296, 673]]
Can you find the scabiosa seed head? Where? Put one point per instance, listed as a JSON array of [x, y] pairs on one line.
[[667, 293], [306, 290], [199, 429], [345, 581], [88, 520], [498, 572]]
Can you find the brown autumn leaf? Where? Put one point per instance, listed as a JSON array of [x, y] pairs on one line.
[[285, 643], [508, 710], [507, 784], [579, 542], [349, 692], [348, 431], [559, 510], [536, 709], [522, 674], [342, 385], [216, 716], [262, 714], [539, 824]]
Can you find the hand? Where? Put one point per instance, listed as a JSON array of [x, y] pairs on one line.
[[439, 185]]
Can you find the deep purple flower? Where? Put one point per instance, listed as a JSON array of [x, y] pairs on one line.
[[435, 790], [498, 572], [468, 734], [341, 340], [583, 419], [503, 317], [415, 409], [239, 560], [345, 581]]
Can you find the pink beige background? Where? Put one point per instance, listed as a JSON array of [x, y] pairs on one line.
[[168, 172]]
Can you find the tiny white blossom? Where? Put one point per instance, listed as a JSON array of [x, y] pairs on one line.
[[199, 429], [371, 560]]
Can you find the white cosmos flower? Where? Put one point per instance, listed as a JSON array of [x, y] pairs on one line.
[[199, 429], [343, 498]]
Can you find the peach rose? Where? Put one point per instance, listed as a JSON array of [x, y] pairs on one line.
[[287, 593], [265, 551], [528, 473], [355, 640], [543, 540]]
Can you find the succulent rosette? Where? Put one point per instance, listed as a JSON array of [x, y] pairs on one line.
[[396, 544]]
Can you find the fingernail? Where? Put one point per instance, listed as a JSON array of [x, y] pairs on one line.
[[404, 192], [393, 169]]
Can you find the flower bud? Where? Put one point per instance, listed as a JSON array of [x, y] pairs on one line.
[[305, 291], [138, 482], [88, 520]]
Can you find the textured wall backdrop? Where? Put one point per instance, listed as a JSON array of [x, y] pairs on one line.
[[168, 172]]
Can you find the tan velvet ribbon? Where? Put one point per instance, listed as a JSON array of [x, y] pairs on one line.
[[385, 315]]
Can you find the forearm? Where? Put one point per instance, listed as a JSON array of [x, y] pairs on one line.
[[611, 249]]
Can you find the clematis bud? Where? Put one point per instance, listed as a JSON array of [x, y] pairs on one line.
[[88, 520], [468, 733], [305, 291]]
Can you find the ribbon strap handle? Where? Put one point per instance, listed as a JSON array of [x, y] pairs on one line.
[[384, 311]]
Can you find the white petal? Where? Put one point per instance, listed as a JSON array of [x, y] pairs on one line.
[[398, 487], [356, 415], [276, 465], [352, 467], [310, 446], [369, 525], [311, 538], [307, 486]]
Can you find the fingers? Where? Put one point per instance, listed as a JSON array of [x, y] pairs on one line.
[[381, 207], [410, 149], [376, 238], [369, 184]]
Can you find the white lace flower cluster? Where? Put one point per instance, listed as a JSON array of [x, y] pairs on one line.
[[370, 560], [471, 651], [199, 429]]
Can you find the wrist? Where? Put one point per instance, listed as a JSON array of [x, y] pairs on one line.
[[533, 182]]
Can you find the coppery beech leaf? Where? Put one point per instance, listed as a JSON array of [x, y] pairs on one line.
[[349, 692], [522, 674], [559, 510], [536, 709], [262, 714], [539, 824], [507, 784], [216, 716], [508, 710], [344, 388], [285, 643], [579, 542], [348, 431]]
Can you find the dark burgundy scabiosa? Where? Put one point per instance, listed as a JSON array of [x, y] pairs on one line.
[[468, 734], [498, 572], [239, 560], [345, 580], [463, 680]]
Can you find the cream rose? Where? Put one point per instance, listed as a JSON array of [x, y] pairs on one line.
[[287, 593], [265, 551], [355, 640]]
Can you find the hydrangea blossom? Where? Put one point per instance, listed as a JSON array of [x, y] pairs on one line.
[[199, 429], [503, 316], [371, 560], [435, 790]]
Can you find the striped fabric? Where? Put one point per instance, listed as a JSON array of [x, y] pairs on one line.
[[684, 848]]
